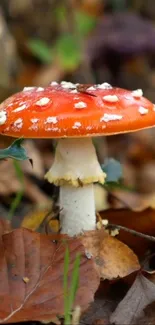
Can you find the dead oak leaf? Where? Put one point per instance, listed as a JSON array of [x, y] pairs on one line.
[[113, 258], [141, 294], [24, 253]]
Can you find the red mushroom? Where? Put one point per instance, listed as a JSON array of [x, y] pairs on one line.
[[75, 114]]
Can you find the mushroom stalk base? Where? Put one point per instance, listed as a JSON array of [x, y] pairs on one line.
[[75, 169], [77, 209]]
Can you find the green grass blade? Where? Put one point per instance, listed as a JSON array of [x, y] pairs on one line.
[[74, 282], [15, 203], [65, 284]]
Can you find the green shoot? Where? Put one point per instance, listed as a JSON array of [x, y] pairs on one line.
[[70, 293], [15, 203]]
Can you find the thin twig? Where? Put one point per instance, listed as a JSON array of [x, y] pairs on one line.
[[133, 232]]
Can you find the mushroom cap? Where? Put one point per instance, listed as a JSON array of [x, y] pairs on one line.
[[68, 110]]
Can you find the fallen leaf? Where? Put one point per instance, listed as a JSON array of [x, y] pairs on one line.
[[137, 298], [142, 221], [113, 259], [24, 253], [5, 226]]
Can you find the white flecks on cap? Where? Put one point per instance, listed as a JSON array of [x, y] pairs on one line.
[[76, 125], [142, 110], [3, 117], [52, 129], [18, 123], [110, 117], [40, 89], [33, 127], [137, 93], [28, 88], [88, 127], [34, 120], [80, 105], [54, 83], [20, 108], [91, 88], [66, 84], [105, 85], [43, 101], [111, 98], [51, 119], [7, 129], [74, 91]]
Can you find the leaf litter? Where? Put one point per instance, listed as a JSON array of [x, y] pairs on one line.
[[31, 284]]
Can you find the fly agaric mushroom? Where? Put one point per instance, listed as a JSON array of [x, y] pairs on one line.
[[74, 114]]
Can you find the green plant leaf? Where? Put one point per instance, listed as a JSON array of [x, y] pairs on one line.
[[68, 52], [41, 50], [113, 170], [109, 186], [85, 22], [15, 151]]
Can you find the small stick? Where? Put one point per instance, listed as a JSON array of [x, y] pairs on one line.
[[133, 232]]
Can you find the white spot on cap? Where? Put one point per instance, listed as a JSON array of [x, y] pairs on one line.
[[3, 117], [52, 129], [54, 83], [28, 88], [154, 108], [88, 127], [20, 108], [34, 120], [137, 93], [91, 88], [33, 127], [66, 84], [142, 110], [80, 105], [111, 98], [51, 119], [76, 125], [43, 101], [110, 117], [74, 91], [40, 89], [18, 123], [105, 85]]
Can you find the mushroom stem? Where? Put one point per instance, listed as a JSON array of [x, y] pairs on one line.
[[75, 169], [78, 209]]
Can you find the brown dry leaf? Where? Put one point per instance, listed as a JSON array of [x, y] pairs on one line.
[[28, 254], [9, 184], [142, 221], [5, 226], [141, 294], [113, 258]]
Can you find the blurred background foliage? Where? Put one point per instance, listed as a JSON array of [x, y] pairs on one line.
[[85, 41]]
